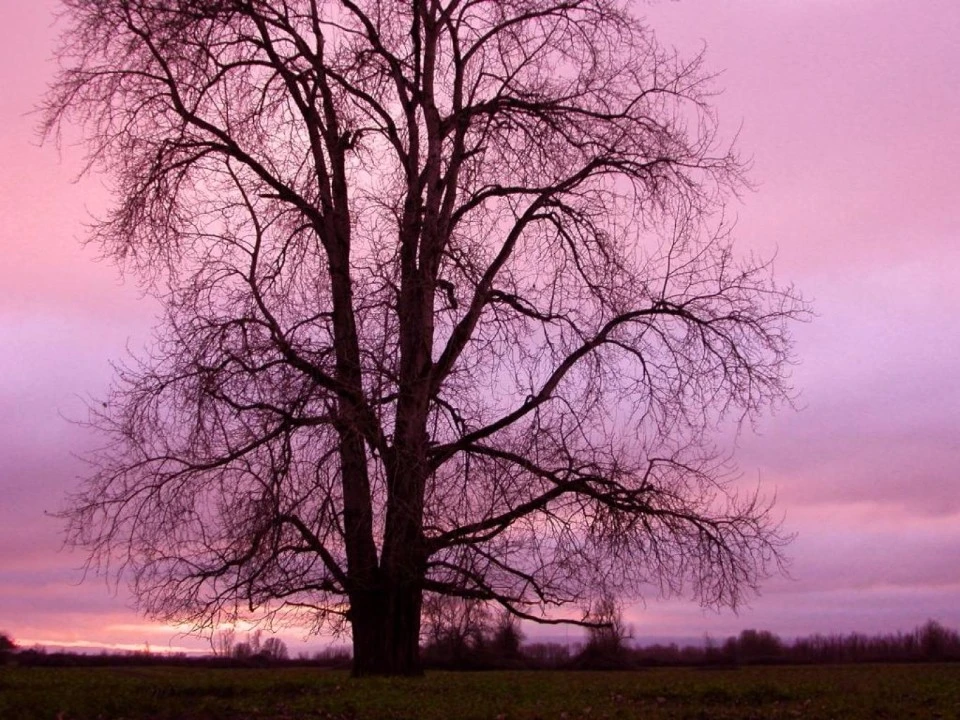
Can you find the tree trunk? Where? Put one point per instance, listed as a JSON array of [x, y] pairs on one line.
[[386, 631]]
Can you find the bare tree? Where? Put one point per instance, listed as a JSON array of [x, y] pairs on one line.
[[223, 642], [243, 651], [507, 637], [275, 649], [449, 307], [454, 629], [608, 638], [610, 630], [249, 648]]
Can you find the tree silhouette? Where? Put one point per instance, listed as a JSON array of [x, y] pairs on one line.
[[507, 638], [455, 630], [223, 642], [275, 649], [450, 307], [607, 642], [7, 645]]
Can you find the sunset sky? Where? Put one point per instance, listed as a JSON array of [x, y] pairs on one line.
[[850, 110]]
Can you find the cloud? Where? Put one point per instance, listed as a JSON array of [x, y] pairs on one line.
[[874, 610]]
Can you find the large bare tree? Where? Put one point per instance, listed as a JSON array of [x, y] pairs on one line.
[[449, 308]]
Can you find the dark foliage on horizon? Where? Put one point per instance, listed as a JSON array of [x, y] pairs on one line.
[[7, 646], [498, 646], [931, 642], [332, 658]]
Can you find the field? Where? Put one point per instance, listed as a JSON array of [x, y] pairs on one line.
[[841, 692]]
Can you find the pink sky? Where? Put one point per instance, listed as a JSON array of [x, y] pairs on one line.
[[851, 111]]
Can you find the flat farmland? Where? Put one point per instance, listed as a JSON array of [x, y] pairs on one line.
[[840, 692]]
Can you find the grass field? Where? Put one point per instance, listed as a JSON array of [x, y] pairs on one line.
[[841, 692]]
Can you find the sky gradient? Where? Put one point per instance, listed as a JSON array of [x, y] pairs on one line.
[[850, 110]]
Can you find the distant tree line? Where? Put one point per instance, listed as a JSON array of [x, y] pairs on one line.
[[226, 645], [464, 635], [333, 658], [228, 651]]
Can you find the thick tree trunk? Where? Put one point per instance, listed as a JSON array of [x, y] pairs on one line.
[[386, 631], [386, 617]]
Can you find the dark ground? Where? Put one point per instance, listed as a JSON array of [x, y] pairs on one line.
[[137, 693]]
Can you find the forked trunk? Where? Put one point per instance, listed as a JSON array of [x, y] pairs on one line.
[[386, 631]]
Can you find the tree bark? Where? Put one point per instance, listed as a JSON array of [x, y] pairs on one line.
[[386, 618], [386, 630]]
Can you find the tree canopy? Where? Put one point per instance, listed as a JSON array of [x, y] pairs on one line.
[[450, 306]]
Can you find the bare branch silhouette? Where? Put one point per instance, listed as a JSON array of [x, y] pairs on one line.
[[450, 306]]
